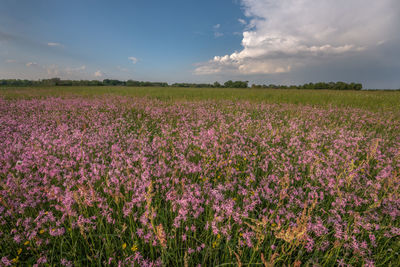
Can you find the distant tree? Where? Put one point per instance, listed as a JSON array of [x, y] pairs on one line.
[[236, 84], [228, 84], [64, 83], [132, 83], [357, 86], [113, 82]]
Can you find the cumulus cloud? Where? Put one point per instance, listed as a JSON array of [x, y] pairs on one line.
[[98, 74], [282, 35], [133, 59]]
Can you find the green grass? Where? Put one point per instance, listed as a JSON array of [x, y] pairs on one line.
[[370, 100]]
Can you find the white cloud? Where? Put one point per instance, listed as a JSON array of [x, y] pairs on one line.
[[217, 33], [54, 44], [52, 71], [285, 34], [98, 74], [133, 59], [31, 64], [69, 70], [66, 72], [207, 69], [381, 42], [242, 21]]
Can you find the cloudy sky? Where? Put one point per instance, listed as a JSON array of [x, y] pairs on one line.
[[262, 41]]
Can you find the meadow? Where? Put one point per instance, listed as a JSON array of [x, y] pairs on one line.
[[371, 100], [199, 177]]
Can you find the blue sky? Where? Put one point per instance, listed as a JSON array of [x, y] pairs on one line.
[[166, 37], [263, 41]]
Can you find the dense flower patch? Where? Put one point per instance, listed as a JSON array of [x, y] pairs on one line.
[[136, 181]]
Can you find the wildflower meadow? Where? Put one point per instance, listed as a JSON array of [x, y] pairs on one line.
[[139, 181]]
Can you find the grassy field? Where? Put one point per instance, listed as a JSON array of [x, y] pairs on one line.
[[199, 177], [372, 100]]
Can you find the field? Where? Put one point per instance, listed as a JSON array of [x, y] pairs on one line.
[[199, 177], [371, 100]]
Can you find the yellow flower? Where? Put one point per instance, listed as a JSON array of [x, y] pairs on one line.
[[134, 248], [46, 212], [218, 236], [41, 231], [241, 234], [19, 251], [15, 260], [214, 244], [124, 246], [26, 243]]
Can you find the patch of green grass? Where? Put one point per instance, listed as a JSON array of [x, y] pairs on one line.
[[370, 100]]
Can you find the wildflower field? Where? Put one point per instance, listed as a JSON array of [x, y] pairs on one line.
[[166, 180]]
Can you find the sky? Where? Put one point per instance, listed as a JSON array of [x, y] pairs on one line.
[[261, 41]]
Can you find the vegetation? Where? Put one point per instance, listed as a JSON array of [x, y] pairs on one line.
[[369, 100], [101, 176], [320, 85], [227, 84]]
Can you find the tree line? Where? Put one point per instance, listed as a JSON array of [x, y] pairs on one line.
[[227, 84], [318, 86], [111, 82]]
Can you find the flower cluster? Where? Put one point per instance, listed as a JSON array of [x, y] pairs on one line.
[[127, 181]]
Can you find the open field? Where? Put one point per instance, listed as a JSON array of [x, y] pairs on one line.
[[371, 100], [210, 177]]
